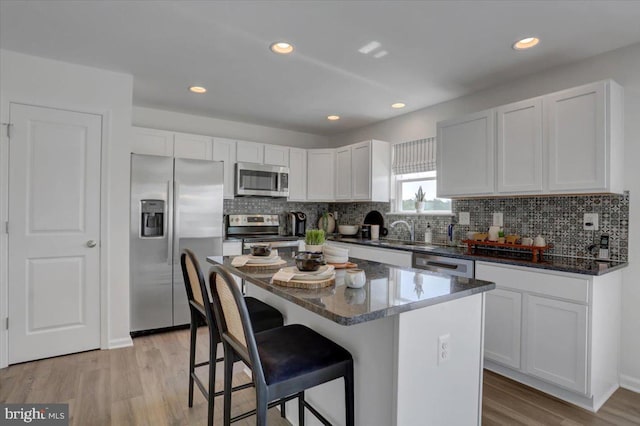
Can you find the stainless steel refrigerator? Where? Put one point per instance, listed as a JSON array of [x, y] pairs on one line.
[[175, 204]]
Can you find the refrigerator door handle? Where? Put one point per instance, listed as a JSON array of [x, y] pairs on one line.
[[176, 221], [170, 214]]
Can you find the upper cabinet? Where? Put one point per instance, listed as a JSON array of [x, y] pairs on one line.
[[250, 152], [225, 150], [565, 142], [465, 155], [363, 171], [192, 146], [152, 142], [320, 174], [276, 155], [297, 174]]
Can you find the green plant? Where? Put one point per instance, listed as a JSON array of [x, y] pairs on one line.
[[420, 195], [314, 237]]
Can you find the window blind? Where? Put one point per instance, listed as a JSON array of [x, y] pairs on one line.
[[414, 156]]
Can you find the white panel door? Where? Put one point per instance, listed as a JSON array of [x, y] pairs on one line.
[[250, 152], [520, 147], [225, 150], [503, 320], [152, 142], [54, 229], [276, 155], [195, 147], [343, 173], [465, 160], [576, 127], [321, 174], [556, 342], [361, 171], [297, 174]]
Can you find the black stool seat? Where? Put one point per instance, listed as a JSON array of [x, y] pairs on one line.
[[263, 317], [294, 351]]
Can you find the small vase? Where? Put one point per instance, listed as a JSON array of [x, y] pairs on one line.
[[419, 206], [313, 248]]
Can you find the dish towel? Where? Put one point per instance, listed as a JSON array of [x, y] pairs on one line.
[[284, 275], [239, 261]]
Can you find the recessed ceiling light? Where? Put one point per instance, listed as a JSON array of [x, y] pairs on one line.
[[281, 47], [398, 105], [333, 117], [526, 43], [198, 89]]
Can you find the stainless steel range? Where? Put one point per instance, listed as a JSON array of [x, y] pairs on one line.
[[261, 228]]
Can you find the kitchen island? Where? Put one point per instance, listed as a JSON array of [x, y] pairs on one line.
[[416, 339]]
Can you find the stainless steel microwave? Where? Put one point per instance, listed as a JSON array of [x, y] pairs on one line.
[[259, 180]]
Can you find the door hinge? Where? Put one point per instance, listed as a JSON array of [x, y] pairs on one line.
[[9, 125]]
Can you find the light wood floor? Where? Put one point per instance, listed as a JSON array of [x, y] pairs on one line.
[[147, 385]]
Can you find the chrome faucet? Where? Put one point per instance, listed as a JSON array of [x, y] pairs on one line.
[[410, 227]]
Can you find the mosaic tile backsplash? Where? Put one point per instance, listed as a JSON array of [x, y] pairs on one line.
[[557, 218]]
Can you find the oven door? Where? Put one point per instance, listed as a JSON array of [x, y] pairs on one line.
[[285, 248], [261, 180]]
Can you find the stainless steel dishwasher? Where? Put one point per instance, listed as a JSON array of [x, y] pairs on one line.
[[444, 265]]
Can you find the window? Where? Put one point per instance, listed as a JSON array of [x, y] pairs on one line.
[[407, 186]]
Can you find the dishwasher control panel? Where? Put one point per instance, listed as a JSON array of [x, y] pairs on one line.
[[444, 265]]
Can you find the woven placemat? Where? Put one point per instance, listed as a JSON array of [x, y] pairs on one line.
[[306, 284], [262, 266]]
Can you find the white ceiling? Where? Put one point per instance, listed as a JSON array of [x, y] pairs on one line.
[[438, 50]]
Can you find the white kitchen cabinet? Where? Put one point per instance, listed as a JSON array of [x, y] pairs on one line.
[[519, 147], [192, 146], [320, 175], [363, 171], [343, 173], [276, 155], [503, 327], [584, 131], [225, 150], [569, 328], [297, 174], [466, 153], [152, 142], [556, 342], [249, 152]]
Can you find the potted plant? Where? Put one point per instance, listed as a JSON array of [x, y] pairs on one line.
[[419, 200], [314, 239]]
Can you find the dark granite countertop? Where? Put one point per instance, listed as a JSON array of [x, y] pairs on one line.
[[389, 290], [553, 263]]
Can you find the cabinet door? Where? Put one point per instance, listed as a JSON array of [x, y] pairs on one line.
[[361, 171], [193, 146], [320, 174], [152, 142], [225, 150], [343, 173], [503, 321], [465, 160], [577, 141], [519, 145], [297, 174], [250, 152], [276, 155], [556, 342]]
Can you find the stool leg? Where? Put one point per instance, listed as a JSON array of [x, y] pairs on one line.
[[283, 412], [192, 356], [301, 408], [349, 396], [213, 346], [261, 405], [228, 376]]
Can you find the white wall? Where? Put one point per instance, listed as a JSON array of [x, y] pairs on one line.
[[623, 65], [187, 123], [43, 82]]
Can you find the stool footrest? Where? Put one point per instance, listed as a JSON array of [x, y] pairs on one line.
[[205, 392], [316, 414], [270, 405]]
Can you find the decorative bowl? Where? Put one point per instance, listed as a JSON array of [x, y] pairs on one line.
[[261, 250], [348, 229]]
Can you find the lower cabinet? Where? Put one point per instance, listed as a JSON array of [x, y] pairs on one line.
[[554, 331], [503, 318]]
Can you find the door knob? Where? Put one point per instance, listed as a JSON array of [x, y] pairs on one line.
[[91, 243]]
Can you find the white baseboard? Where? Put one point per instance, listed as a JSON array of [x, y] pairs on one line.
[[631, 383], [120, 343]]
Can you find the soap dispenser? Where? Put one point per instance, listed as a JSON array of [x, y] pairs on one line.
[[428, 234]]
